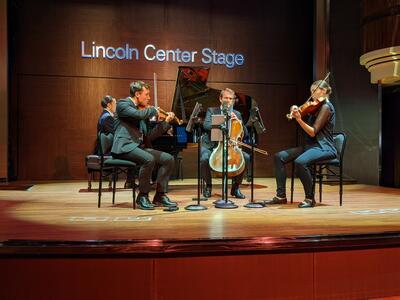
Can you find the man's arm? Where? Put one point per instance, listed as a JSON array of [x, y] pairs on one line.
[[207, 120], [108, 124], [124, 110], [158, 130]]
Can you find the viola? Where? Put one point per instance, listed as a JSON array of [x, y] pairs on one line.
[[165, 114], [161, 113]]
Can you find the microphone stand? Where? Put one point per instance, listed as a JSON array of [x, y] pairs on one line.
[[224, 203], [251, 203], [194, 121]]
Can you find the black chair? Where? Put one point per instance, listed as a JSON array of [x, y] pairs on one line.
[[117, 166], [332, 168], [92, 163]]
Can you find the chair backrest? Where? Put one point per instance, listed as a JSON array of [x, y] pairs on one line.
[[340, 144], [105, 142]]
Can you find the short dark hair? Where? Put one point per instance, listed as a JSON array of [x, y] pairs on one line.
[[137, 86], [106, 99]]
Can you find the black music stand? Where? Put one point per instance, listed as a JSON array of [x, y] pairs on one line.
[[194, 122], [224, 203], [256, 122]]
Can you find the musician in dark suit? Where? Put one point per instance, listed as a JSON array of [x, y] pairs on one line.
[[132, 141], [227, 97], [105, 123]]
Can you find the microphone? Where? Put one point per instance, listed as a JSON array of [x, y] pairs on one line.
[[224, 107]]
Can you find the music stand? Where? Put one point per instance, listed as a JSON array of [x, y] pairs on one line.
[[194, 122], [223, 203], [256, 122]]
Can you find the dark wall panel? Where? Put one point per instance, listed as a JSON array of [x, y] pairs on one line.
[[55, 100], [354, 97]]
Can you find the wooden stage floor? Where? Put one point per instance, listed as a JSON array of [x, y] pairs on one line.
[[59, 211]]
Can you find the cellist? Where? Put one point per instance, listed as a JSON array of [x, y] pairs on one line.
[[227, 97], [319, 144]]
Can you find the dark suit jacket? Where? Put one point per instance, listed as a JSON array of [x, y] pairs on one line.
[[131, 126], [206, 141], [105, 124]]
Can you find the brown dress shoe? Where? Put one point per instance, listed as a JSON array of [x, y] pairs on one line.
[[276, 200]]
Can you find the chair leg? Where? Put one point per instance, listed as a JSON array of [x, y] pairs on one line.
[[292, 184], [134, 192], [320, 183], [90, 174], [134, 196], [100, 187], [314, 169], [180, 171], [114, 177], [341, 184], [110, 182]]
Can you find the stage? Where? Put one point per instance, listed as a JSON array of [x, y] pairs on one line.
[[49, 214], [55, 241]]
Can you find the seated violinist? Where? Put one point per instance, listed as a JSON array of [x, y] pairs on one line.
[[319, 143], [227, 97], [132, 141]]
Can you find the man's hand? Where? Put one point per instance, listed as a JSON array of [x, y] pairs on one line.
[[234, 116], [170, 117]]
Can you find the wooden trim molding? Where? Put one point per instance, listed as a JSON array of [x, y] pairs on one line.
[[383, 64]]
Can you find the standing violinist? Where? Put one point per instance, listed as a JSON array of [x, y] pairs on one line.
[[132, 141], [227, 98], [319, 145]]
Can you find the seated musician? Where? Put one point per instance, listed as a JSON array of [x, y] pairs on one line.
[[227, 96], [105, 123], [319, 145], [132, 141]]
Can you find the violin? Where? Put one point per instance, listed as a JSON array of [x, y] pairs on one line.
[[309, 107]]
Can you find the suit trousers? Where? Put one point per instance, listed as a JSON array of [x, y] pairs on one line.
[[147, 159]]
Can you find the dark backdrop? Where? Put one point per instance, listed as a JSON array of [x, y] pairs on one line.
[[354, 97], [56, 93]]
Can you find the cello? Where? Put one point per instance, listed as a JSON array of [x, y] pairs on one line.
[[236, 161]]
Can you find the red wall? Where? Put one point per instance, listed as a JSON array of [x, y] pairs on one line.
[[359, 274]]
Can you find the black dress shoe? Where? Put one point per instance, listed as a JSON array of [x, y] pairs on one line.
[[276, 200], [235, 192], [207, 192], [307, 203], [161, 199], [130, 185], [143, 202]]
